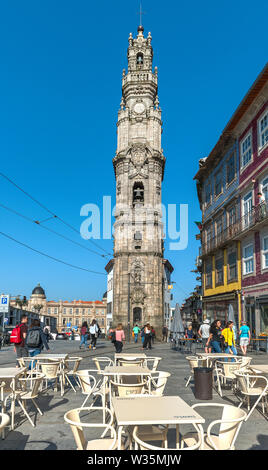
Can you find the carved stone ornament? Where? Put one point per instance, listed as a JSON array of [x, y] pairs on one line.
[[138, 296], [138, 162]]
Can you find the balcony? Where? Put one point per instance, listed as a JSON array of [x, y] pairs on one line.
[[253, 220]]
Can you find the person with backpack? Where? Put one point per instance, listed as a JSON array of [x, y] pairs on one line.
[[142, 334], [83, 335], [203, 332], [18, 337], [148, 337], [93, 330], [36, 339]]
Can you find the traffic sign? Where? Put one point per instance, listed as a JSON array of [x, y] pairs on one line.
[[4, 303]]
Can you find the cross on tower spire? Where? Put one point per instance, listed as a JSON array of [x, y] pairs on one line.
[[141, 13]]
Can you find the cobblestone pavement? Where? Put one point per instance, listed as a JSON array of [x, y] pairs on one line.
[[51, 432]]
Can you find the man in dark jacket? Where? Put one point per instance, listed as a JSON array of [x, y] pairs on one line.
[[36, 339]]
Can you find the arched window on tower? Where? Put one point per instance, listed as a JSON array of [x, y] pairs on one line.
[[139, 58], [138, 193]]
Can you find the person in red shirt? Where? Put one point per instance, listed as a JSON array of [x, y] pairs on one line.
[[21, 349]]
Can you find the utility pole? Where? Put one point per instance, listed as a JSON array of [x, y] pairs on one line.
[[128, 310]]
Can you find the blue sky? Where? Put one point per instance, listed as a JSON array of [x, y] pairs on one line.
[[60, 90]]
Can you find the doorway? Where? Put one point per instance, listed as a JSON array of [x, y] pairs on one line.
[[137, 312]]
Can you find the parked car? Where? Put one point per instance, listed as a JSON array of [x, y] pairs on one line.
[[62, 335]]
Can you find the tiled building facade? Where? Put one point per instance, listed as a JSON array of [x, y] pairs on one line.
[[234, 218]]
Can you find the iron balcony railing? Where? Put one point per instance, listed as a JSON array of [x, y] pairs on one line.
[[258, 215]]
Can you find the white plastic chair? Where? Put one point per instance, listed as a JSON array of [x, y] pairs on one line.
[[72, 417], [230, 423], [225, 371], [152, 363], [158, 381], [252, 385], [142, 445]]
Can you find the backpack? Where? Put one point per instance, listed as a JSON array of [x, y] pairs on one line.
[[33, 339], [112, 335], [142, 333], [16, 336]]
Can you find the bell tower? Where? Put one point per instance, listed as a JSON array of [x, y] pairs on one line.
[[139, 169]]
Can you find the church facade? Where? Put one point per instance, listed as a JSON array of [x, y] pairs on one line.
[[139, 268]]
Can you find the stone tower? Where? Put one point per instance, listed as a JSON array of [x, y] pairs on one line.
[[139, 170]]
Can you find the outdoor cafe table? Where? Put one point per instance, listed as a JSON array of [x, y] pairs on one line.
[[260, 368], [137, 411], [215, 356], [11, 373]]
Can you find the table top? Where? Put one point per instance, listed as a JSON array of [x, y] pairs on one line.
[[51, 356], [215, 355], [130, 356], [132, 370], [154, 410], [260, 367], [11, 372]]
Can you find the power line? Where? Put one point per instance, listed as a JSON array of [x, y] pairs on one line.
[[48, 256], [49, 229], [49, 211]]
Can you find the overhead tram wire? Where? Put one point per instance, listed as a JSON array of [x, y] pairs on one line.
[[50, 257], [50, 212], [50, 230]]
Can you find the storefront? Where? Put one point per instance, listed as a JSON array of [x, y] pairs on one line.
[[262, 300], [221, 307]]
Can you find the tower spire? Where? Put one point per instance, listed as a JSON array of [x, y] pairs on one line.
[[141, 28]]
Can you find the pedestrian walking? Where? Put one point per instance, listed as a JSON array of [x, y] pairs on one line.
[[142, 334], [119, 338], [47, 332], [93, 330], [164, 333], [153, 334], [83, 335], [18, 337], [148, 337], [215, 337], [136, 330], [36, 339], [245, 337], [203, 332], [229, 339]]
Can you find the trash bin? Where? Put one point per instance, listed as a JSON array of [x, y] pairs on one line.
[[203, 383]]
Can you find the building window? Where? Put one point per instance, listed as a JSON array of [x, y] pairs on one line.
[[64, 321], [232, 266], [219, 228], [218, 183], [248, 259], [263, 130], [207, 193], [139, 58], [232, 216], [230, 169], [246, 150], [264, 189], [219, 270], [77, 311], [55, 310], [265, 252], [64, 311], [70, 311], [208, 274], [247, 210], [110, 284], [49, 310]]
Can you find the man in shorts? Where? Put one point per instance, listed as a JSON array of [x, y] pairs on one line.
[[204, 334], [244, 337]]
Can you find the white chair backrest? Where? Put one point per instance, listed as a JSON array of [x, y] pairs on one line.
[[123, 390], [4, 420], [193, 362], [229, 368], [229, 430], [75, 361], [246, 361], [87, 381], [50, 369], [102, 362], [32, 384], [154, 361], [145, 446], [72, 417], [159, 381], [131, 362]]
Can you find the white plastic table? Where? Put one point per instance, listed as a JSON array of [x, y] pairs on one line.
[[11, 373], [135, 411]]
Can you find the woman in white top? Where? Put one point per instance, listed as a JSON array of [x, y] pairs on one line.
[[93, 330]]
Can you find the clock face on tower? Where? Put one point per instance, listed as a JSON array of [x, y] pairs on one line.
[[139, 108]]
